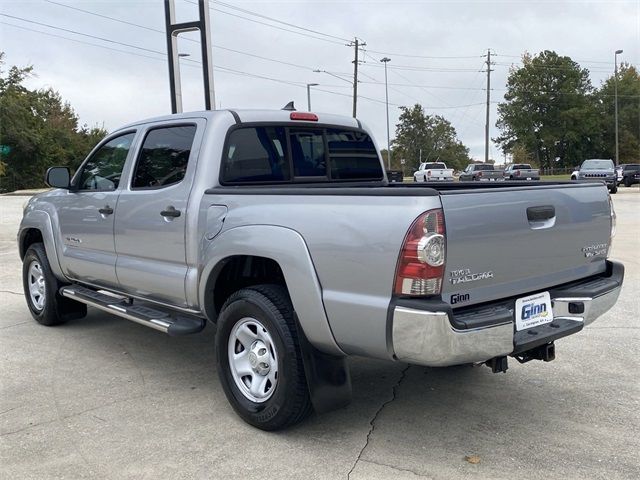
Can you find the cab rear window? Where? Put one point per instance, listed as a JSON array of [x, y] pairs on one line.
[[280, 154]]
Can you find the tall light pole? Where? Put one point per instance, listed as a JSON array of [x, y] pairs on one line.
[[309, 85], [386, 60], [615, 88]]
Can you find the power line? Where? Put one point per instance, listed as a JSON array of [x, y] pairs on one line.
[[304, 34], [22, 27], [104, 16], [195, 64], [108, 40], [249, 12], [157, 30], [430, 57]]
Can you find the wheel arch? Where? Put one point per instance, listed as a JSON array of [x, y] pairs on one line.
[[276, 251], [36, 227]]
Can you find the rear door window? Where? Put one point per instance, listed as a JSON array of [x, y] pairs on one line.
[[164, 157]]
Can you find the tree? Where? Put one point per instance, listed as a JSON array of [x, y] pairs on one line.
[[39, 129], [628, 114], [550, 112], [432, 134]]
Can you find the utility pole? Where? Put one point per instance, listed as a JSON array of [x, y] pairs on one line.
[[309, 85], [356, 44], [486, 127], [385, 60], [615, 86]]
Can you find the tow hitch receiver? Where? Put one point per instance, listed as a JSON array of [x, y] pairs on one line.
[[546, 353]]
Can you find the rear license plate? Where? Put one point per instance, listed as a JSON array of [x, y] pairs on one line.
[[533, 310]]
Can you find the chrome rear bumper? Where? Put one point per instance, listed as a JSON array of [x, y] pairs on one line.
[[428, 338]]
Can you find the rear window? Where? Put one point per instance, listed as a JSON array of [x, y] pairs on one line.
[[484, 167], [522, 166], [278, 154], [256, 155], [352, 156], [428, 166]]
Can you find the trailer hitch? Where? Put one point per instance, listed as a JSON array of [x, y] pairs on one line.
[[546, 353]]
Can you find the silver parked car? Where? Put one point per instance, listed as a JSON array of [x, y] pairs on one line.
[[602, 170]]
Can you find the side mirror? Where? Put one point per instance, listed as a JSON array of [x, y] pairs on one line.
[[58, 177]]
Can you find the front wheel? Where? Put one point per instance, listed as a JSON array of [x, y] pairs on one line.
[[41, 287], [627, 181], [613, 189], [259, 358]]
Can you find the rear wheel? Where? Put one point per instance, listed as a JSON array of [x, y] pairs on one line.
[[41, 287], [627, 181], [259, 358], [415, 179]]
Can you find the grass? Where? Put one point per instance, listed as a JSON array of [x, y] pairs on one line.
[[565, 176]]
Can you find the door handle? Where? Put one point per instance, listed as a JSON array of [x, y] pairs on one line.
[[106, 210], [170, 212]]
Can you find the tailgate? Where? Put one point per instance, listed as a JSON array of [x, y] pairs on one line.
[[503, 242]]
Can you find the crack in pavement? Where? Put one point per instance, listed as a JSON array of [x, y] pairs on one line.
[[396, 468], [9, 291], [372, 425]]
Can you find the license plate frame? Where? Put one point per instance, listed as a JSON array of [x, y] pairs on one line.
[[532, 311]]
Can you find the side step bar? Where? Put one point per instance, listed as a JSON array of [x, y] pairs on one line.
[[166, 321]]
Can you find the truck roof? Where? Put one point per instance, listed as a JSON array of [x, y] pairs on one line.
[[251, 115]]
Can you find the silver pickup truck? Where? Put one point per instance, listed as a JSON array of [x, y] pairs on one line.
[[281, 229], [480, 172]]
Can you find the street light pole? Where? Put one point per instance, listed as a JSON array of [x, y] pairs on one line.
[[385, 60], [615, 87], [309, 85]]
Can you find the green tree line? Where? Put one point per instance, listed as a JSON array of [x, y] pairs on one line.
[[37, 130], [554, 117]]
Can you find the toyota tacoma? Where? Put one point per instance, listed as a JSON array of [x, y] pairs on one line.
[[281, 229]]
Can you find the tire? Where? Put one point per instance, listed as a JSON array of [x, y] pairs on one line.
[[627, 182], [263, 315], [613, 189], [415, 179], [573, 177], [41, 288]]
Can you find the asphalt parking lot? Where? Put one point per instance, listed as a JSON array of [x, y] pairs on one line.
[[102, 397]]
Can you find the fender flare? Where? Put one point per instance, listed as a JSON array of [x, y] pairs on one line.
[[286, 247], [41, 221]]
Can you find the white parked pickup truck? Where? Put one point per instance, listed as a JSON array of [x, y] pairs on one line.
[[433, 172]]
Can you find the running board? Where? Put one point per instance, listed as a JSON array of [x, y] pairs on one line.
[[164, 320]]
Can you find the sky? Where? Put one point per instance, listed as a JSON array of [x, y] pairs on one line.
[[265, 52]]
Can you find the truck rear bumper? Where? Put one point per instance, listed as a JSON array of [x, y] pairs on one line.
[[428, 337]]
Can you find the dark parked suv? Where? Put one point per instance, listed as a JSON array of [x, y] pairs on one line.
[[628, 174]]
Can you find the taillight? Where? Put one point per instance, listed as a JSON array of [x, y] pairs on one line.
[[480, 173], [428, 173], [421, 263], [517, 173]]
